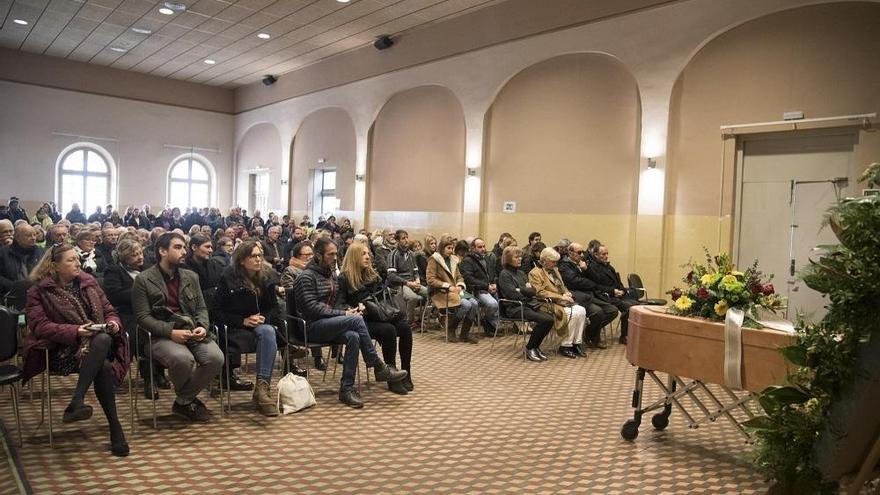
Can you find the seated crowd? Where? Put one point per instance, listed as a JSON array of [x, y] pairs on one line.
[[201, 289]]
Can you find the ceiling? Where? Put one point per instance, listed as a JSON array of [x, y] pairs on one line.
[[225, 31]]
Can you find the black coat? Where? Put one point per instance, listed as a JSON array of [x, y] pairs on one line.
[[16, 264], [512, 284], [351, 296], [209, 273], [235, 301], [605, 276], [76, 217], [117, 285], [477, 273], [577, 281]]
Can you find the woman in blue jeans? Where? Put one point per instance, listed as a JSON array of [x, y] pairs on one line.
[[247, 303]]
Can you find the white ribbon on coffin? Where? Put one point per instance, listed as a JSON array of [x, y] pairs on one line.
[[733, 321]]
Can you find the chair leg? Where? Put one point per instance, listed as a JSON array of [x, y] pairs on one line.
[[49, 400], [130, 400], [422, 319], [15, 411], [152, 374]]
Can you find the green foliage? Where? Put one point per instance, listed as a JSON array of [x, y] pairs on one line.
[[825, 354]]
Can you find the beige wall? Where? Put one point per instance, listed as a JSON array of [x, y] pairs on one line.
[[415, 174], [59, 73], [822, 60], [562, 142], [139, 131], [261, 148], [326, 134]]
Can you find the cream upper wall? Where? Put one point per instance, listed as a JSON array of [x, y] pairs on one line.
[[417, 153], [563, 138], [822, 60], [261, 148], [140, 133], [327, 134]]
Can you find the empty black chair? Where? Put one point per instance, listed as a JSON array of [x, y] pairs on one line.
[[10, 374], [636, 285]]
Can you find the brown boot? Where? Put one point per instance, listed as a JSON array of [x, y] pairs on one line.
[[265, 404]]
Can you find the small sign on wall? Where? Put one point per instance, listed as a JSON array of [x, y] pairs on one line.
[[509, 207]]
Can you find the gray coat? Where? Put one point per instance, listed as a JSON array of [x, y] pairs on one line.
[[148, 297]]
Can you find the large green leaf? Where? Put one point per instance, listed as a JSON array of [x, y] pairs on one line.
[[787, 395], [759, 423], [796, 354]]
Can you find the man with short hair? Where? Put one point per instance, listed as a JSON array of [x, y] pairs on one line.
[[317, 290], [168, 303], [75, 215], [57, 234], [97, 216], [15, 211], [272, 251], [534, 238], [608, 280], [573, 268], [6, 230], [403, 271], [479, 277], [109, 238], [16, 262]]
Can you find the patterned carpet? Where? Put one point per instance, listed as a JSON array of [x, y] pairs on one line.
[[481, 420]]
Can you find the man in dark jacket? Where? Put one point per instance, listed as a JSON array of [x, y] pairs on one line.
[[609, 284], [168, 303], [75, 215], [573, 269], [272, 250], [98, 216], [316, 290], [403, 272], [479, 277], [16, 263]]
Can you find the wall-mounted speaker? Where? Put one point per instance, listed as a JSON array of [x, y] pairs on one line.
[[269, 80], [383, 42]]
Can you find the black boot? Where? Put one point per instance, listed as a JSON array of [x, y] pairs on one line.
[[466, 332], [320, 363], [397, 388], [579, 350], [407, 382], [237, 384], [385, 373], [452, 324], [350, 398]]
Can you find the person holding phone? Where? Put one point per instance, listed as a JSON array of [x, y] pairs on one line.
[[69, 314], [168, 303]]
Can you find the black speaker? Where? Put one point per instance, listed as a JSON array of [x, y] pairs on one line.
[[269, 80], [383, 42]]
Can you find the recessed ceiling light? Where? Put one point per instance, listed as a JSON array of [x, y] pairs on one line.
[[264, 36], [210, 61], [118, 49], [142, 30], [165, 11], [21, 22], [176, 6], [343, 1]]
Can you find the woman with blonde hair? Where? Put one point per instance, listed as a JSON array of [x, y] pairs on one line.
[[360, 281], [422, 255], [548, 284], [69, 314], [513, 284], [445, 284]]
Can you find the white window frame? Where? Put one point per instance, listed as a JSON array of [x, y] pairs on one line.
[[211, 182], [111, 175], [320, 192]]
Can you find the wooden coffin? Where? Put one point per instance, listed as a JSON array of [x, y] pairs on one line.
[[694, 348]]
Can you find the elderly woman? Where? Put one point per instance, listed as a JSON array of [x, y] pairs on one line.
[[90, 260], [64, 307], [357, 282], [446, 287], [300, 255], [513, 284], [548, 284]]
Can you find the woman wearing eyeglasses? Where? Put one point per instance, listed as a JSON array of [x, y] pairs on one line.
[[300, 255], [62, 306], [548, 283], [247, 303]]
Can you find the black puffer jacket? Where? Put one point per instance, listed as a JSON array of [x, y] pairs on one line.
[[477, 273], [210, 272], [235, 301], [316, 290]]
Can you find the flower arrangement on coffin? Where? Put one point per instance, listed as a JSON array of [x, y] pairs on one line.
[[716, 286]]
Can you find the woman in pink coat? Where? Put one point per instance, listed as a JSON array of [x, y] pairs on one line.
[[69, 314]]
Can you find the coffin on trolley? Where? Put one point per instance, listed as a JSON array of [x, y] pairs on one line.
[[695, 348]]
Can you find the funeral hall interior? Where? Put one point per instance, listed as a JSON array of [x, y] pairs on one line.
[[439, 246]]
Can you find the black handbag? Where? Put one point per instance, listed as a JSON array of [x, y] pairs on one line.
[[381, 310]]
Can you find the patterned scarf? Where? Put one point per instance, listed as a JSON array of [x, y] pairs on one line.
[[69, 309]]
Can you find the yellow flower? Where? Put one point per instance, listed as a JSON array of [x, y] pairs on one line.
[[706, 279], [737, 274], [721, 308], [728, 279], [684, 303]]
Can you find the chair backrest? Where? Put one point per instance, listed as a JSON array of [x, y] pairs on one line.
[[290, 299], [8, 334], [635, 281]]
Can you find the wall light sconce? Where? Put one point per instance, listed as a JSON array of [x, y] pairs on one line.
[[471, 172], [283, 182], [652, 163], [360, 177], [322, 160]]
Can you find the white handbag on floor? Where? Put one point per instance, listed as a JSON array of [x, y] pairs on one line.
[[294, 394]]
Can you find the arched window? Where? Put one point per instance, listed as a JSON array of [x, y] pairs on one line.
[[85, 177], [190, 181]]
